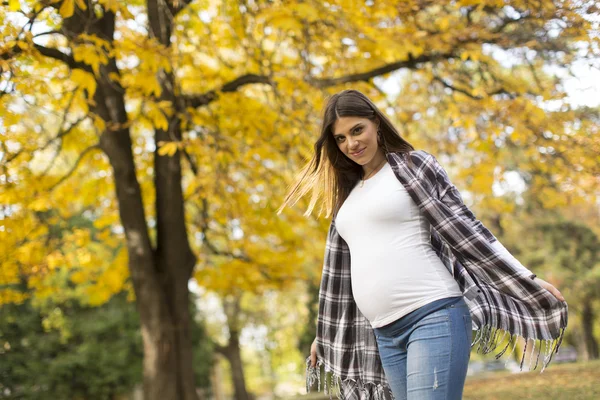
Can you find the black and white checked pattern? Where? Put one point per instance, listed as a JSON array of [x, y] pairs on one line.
[[502, 300]]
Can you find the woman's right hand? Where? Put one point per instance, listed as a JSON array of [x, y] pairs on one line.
[[313, 353]]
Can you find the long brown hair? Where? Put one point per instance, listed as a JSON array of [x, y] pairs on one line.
[[330, 173]]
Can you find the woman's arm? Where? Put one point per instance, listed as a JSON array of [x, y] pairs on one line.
[[513, 261], [450, 196]]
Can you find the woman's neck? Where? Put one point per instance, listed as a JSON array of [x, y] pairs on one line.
[[377, 163]]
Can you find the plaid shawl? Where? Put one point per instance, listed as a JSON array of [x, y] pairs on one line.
[[502, 299]]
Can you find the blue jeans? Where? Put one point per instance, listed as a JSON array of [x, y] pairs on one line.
[[428, 359]]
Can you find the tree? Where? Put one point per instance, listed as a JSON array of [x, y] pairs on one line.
[[575, 259], [561, 246], [70, 351], [273, 320], [195, 114]]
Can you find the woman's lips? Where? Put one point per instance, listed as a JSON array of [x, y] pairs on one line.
[[357, 154]]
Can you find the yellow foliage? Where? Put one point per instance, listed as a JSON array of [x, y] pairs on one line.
[[117, 7], [14, 5], [40, 204], [91, 55], [245, 145], [99, 123], [98, 42], [167, 148], [84, 80], [105, 220], [67, 8], [157, 117], [8, 296], [78, 277], [55, 259], [9, 273], [81, 4]]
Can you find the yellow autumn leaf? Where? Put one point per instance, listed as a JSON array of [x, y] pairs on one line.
[[84, 80], [40, 204], [307, 11], [67, 8], [14, 5], [99, 123], [54, 260], [98, 296], [105, 220], [8, 296], [167, 148], [90, 55], [81, 4], [444, 23], [287, 23], [78, 277]]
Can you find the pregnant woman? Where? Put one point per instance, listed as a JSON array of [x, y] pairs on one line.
[[409, 271]]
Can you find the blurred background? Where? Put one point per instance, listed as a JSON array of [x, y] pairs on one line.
[[145, 147]]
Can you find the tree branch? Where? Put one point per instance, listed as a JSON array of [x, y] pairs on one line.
[[74, 167], [204, 99], [456, 89], [468, 94], [213, 249], [193, 165], [506, 22], [52, 32], [411, 63], [222, 350], [178, 5], [60, 56], [60, 134]]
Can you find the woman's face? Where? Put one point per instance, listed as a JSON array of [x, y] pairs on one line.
[[356, 137]]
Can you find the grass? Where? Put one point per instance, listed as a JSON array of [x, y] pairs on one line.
[[578, 381]]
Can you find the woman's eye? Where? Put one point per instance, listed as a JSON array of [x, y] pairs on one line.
[[357, 130]]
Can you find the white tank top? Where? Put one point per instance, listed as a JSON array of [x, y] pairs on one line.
[[394, 269]]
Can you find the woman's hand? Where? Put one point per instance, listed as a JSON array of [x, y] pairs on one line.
[[549, 288], [313, 353]]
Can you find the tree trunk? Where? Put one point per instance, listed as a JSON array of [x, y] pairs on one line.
[[232, 309], [160, 283], [174, 257], [587, 324], [216, 382], [234, 356], [159, 276]]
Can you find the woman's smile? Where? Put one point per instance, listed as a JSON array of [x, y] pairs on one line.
[[358, 153]]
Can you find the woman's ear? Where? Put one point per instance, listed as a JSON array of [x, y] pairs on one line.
[[377, 123]]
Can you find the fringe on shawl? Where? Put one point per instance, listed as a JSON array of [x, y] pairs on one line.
[[335, 384], [487, 340]]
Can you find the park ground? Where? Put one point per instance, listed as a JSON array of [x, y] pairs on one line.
[[576, 381]]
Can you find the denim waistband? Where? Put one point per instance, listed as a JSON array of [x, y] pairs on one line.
[[414, 316]]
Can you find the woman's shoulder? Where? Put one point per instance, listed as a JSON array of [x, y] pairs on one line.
[[420, 154], [418, 157]]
